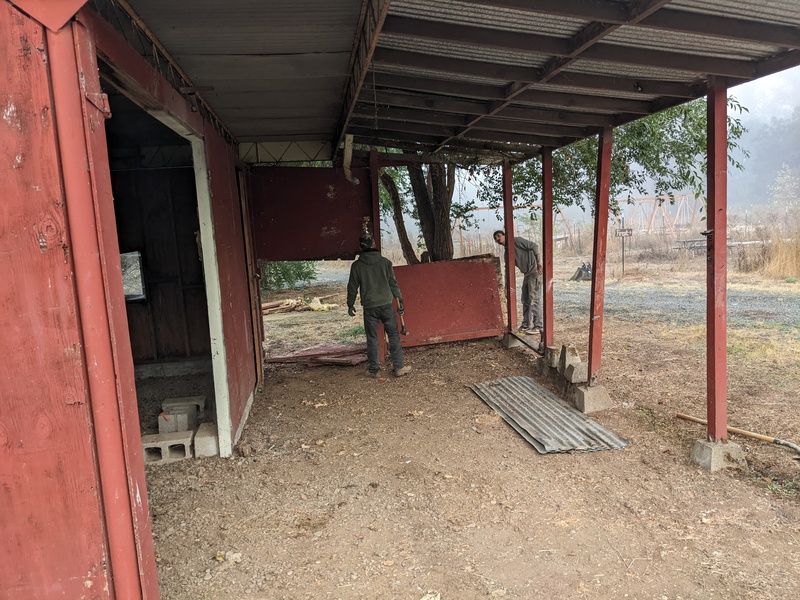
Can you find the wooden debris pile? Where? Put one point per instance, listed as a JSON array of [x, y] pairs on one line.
[[298, 305]]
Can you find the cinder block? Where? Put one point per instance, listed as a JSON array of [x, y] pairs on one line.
[[542, 366], [577, 372], [205, 441], [179, 418], [510, 341], [714, 456], [199, 401], [165, 448], [591, 399], [569, 355], [551, 356]]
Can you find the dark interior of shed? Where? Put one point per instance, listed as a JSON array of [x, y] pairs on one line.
[[155, 202]]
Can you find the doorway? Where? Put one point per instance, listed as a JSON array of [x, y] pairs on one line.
[[156, 207]]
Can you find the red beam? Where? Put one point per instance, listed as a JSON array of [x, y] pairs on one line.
[[599, 256], [508, 217], [97, 330], [547, 244], [716, 304]]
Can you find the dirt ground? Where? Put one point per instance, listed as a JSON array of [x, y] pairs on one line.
[[412, 488]]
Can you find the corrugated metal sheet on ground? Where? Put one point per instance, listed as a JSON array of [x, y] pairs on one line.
[[545, 421]]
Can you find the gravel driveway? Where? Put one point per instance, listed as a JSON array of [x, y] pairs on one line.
[[683, 306]]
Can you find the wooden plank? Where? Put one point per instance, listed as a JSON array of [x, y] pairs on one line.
[[196, 307], [52, 526], [169, 319]]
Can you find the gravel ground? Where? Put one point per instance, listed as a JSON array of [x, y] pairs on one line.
[[680, 305]]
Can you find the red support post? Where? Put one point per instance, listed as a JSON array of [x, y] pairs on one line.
[[716, 250], [508, 218], [81, 188], [599, 255], [547, 245]]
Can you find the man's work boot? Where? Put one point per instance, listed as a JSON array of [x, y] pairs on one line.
[[401, 372], [373, 374]]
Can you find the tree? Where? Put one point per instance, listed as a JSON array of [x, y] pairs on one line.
[[664, 152], [432, 189], [785, 190]]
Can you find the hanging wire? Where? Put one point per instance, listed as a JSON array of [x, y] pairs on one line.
[[374, 97]]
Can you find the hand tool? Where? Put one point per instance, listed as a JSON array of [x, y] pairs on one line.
[[757, 436]]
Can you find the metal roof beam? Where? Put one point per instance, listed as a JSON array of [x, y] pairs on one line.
[[668, 19], [374, 15], [421, 121], [628, 85], [469, 107], [584, 45], [578, 45]]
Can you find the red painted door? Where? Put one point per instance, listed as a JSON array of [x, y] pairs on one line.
[[53, 542]]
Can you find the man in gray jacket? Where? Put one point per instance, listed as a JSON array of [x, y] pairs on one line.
[[372, 276], [528, 260]]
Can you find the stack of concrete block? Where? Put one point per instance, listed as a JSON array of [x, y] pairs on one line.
[[176, 425]]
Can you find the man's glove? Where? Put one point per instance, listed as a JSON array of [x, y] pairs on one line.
[[401, 309], [351, 310]]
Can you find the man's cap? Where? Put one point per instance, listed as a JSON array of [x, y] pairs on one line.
[[366, 241]]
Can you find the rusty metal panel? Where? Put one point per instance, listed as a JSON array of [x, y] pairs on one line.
[[545, 421], [308, 213], [52, 535], [233, 274], [450, 301]]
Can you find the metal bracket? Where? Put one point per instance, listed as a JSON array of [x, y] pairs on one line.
[[100, 102]]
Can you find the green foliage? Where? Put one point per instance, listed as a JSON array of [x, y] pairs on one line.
[[281, 275], [355, 333], [665, 151], [791, 280]]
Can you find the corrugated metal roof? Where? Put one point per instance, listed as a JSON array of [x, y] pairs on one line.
[[504, 19], [462, 51], [783, 12], [281, 70], [689, 43], [545, 421]]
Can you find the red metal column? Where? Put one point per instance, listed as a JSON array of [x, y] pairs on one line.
[[508, 218], [599, 255], [716, 303], [547, 244], [75, 127]]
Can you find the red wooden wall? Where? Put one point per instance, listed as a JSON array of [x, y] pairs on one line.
[[308, 213], [156, 213], [233, 273], [52, 538], [149, 89]]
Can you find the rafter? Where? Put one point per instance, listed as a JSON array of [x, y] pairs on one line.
[[374, 14], [578, 44]]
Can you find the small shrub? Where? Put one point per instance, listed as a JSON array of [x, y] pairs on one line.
[[280, 275], [791, 280]]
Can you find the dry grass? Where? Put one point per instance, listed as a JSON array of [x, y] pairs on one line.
[[762, 343]]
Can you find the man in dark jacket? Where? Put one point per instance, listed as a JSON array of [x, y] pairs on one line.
[[372, 277], [527, 259]]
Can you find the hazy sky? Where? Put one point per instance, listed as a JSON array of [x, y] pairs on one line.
[[775, 95]]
